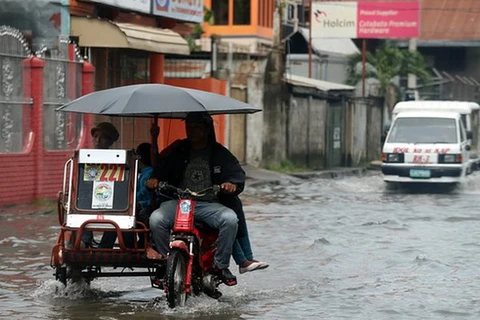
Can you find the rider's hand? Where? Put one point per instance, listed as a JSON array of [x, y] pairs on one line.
[[152, 183], [228, 187]]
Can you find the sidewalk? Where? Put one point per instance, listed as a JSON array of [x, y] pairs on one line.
[[258, 176]]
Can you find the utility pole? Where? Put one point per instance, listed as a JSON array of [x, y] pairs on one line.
[[310, 40], [274, 96]]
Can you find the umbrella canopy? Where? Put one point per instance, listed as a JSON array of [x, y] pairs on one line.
[[155, 100]]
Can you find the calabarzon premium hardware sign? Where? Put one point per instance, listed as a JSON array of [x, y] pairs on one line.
[[365, 20], [188, 10]]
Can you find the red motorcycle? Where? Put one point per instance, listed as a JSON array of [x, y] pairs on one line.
[[192, 248]]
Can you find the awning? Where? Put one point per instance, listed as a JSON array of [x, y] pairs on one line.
[[99, 33]]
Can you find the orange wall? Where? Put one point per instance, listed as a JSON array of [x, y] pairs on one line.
[[256, 27], [171, 130]]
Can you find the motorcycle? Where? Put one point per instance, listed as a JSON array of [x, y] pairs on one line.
[[190, 262]]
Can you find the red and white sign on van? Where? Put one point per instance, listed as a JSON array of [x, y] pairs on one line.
[[365, 19]]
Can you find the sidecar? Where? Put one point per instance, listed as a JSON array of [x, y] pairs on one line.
[[98, 196]]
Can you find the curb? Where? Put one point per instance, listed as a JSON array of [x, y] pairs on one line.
[[258, 176]]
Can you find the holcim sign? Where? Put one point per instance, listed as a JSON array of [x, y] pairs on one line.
[[365, 19]]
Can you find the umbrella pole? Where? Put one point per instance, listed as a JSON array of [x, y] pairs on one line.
[[154, 131]]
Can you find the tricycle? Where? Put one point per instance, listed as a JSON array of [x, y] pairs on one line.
[[99, 195]]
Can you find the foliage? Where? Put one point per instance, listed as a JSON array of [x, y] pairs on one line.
[[387, 62], [197, 31]]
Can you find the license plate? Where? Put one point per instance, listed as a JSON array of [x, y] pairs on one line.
[[419, 173]]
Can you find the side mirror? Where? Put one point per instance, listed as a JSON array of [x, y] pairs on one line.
[[469, 134], [468, 148]]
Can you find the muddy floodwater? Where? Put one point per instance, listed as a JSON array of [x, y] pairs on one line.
[[344, 248]]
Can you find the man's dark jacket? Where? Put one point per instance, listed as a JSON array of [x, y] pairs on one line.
[[224, 167]]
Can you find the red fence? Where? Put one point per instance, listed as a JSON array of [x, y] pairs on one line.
[[37, 172]]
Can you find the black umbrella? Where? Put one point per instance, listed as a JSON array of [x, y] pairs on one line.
[[155, 100]]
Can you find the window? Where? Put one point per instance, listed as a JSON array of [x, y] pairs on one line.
[[220, 12], [241, 12], [424, 130]]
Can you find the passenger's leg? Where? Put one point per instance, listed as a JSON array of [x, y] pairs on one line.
[[237, 253], [161, 222], [244, 243]]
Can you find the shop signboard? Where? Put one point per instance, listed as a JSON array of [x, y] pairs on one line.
[[187, 10], [382, 20], [143, 6]]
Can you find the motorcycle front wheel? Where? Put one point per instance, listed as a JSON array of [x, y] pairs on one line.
[[175, 280]]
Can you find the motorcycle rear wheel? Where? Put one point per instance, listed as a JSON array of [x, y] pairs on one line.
[[175, 280]]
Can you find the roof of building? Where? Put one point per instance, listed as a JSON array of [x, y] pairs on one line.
[[321, 85], [340, 46]]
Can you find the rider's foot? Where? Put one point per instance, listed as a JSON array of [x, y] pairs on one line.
[[225, 276], [157, 280], [215, 294], [157, 283], [152, 254]]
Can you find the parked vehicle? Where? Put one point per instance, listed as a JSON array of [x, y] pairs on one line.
[[470, 112], [426, 146]]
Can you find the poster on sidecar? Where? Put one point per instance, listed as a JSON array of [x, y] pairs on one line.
[[102, 235]]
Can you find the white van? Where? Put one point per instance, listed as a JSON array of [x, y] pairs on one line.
[[426, 146], [470, 112]]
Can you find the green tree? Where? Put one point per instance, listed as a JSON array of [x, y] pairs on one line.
[[197, 31], [387, 62]]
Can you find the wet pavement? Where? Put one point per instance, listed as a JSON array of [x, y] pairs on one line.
[[343, 248]]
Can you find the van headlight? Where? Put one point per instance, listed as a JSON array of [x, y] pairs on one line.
[[450, 158], [393, 157]]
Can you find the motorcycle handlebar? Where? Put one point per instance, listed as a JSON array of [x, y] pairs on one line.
[[164, 186]]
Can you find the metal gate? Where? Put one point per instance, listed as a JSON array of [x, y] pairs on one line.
[[15, 107], [62, 83]]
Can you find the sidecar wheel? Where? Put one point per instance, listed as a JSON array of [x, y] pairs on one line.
[[175, 280]]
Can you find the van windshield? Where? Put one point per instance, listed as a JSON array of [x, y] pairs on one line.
[[423, 130]]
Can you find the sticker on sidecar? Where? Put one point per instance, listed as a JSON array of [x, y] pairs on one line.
[[104, 172], [102, 195]]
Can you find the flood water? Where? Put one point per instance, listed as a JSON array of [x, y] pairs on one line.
[[338, 249]]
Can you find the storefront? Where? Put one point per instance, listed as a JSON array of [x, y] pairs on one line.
[[126, 42]]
